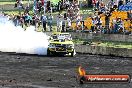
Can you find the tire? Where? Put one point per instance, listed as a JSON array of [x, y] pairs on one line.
[[48, 52], [72, 53]]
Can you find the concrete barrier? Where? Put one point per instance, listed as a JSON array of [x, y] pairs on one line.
[[99, 50], [100, 37]]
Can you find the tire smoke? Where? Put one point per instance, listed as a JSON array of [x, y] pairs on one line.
[[15, 39]]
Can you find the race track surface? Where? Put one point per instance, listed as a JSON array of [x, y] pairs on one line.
[[32, 71]]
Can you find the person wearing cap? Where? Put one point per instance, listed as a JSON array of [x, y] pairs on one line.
[[117, 25], [107, 19]]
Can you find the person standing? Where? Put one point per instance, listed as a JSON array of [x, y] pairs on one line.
[[107, 20], [28, 19], [50, 21], [120, 2], [35, 21], [90, 3], [59, 6], [43, 20], [99, 23], [127, 1], [94, 3], [94, 22], [21, 21], [63, 26], [64, 22], [69, 22], [120, 27], [59, 22], [15, 20], [78, 19]]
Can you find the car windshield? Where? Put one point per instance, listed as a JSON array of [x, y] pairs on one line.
[[61, 37], [55, 37]]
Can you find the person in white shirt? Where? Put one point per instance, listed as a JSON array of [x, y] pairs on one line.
[[59, 22], [69, 22], [50, 19], [78, 20], [44, 20]]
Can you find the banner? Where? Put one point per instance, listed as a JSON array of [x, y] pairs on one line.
[[126, 7]]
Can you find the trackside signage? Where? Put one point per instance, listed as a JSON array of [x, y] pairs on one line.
[[102, 78]]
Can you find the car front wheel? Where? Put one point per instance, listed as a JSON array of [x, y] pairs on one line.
[[72, 53]]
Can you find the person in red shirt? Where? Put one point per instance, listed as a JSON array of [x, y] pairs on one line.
[[94, 2], [42, 2]]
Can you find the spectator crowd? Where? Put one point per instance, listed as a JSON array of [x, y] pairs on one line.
[[101, 9], [72, 14]]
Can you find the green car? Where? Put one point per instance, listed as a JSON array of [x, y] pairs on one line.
[[61, 45]]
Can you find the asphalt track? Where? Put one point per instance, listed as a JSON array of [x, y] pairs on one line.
[[32, 71]]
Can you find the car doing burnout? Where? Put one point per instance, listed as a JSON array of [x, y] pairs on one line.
[[61, 45]]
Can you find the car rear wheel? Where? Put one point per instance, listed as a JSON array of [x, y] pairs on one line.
[[48, 52]]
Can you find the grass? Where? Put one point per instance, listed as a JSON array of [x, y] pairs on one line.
[[16, 12], [127, 45], [54, 1], [116, 45], [11, 2], [78, 41], [39, 29], [4, 2]]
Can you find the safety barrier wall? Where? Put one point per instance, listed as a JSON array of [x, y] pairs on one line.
[[100, 37], [99, 50]]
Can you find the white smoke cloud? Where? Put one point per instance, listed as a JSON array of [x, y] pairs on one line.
[[15, 39]]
